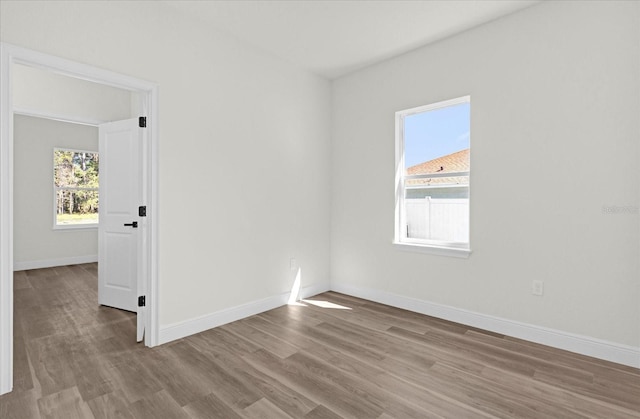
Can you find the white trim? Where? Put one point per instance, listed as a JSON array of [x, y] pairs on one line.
[[51, 263], [6, 223], [9, 55], [190, 327], [457, 185], [585, 345], [433, 249], [74, 227], [436, 176], [71, 119], [152, 258], [434, 106]]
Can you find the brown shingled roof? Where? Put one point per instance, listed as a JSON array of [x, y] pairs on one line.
[[454, 162]]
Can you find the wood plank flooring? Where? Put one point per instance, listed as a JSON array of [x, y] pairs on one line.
[[334, 356]]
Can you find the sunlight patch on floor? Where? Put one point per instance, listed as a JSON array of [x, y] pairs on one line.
[[326, 304], [294, 296]]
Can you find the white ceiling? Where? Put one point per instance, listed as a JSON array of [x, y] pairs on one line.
[[335, 37]]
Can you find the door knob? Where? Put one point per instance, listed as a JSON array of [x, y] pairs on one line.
[[133, 224]]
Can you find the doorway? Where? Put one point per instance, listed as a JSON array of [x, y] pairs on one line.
[[147, 93]]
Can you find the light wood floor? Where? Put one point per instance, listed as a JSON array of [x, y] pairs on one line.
[[351, 358]]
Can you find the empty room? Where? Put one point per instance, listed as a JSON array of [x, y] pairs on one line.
[[319, 209]]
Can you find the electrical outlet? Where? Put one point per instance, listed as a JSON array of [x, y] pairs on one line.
[[537, 287], [293, 264]]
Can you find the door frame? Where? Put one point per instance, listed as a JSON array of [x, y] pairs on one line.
[[10, 55]]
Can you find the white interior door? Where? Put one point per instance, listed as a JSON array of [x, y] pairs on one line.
[[120, 227]]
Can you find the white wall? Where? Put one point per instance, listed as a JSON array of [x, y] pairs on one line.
[[44, 92], [244, 147], [35, 242], [555, 134]]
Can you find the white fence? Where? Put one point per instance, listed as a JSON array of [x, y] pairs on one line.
[[438, 219]]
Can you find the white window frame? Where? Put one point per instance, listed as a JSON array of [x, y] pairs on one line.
[[57, 226], [400, 240]]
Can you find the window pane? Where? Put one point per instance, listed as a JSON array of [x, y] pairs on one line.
[[75, 168], [74, 171], [76, 207], [436, 160], [434, 215], [431, 136]]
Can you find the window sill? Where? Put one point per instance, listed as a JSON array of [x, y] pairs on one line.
[[433, 250], [75, 227]]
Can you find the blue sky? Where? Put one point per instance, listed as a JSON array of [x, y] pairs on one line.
[[436, 133]]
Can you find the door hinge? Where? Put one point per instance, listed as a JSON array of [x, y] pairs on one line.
[[142, 211], [142, 301], [142, 122]]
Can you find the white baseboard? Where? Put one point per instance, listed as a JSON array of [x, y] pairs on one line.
[[597, 348], [189, 327], [50, 263]]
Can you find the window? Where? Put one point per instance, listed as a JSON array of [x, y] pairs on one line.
[[432, 175], [75, 188]]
